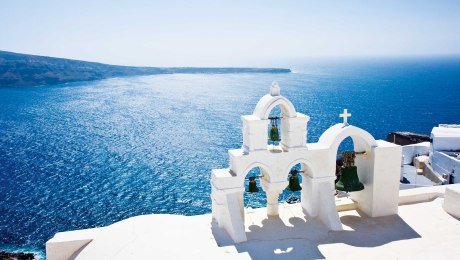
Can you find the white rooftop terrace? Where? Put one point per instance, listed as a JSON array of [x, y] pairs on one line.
[[414, 179], [421, 229]]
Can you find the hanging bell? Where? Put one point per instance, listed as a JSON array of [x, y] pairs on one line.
[[349, 180], [294, 184], [252, 187], [274, 134]]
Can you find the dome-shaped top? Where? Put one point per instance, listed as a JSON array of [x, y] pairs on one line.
[[269, 101]]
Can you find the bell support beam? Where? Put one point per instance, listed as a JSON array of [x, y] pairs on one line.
[[273, 190], [227, 211], [294, 132], [254, 133], [380, 173], [225, 179], [327, 211], [310, 193]]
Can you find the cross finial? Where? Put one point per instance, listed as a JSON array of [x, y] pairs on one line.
[[345, 116]]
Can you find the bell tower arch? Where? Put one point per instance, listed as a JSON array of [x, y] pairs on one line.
[[378, 164], [293, 124]]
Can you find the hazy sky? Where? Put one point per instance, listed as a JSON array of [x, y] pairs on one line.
[[227, 33]]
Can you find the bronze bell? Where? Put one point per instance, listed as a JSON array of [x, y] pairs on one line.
[[274, 133], [294, 184], [252, 187], [349, 180]]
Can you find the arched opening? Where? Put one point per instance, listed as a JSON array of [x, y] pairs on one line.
[[292, 193], [268, 102], [304, 176], [367, 161], [255, 201], [274, 129], [254, 196], [345, 145], [346, 166]]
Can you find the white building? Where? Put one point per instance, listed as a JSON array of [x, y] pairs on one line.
[[445, 151], [433, 163]]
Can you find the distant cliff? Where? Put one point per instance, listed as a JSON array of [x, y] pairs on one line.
[[17, 70]]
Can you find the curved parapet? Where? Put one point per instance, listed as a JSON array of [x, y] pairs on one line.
[[333, 136], [269, 101], [306, 166], [234, 178], [378, 169], [293, 124]]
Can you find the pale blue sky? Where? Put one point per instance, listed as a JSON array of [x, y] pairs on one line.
[[227, 33]]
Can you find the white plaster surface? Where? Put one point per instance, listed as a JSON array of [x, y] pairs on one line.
[[411, 150], [452, 200], [444, 164], [412, 234], [445, 138], [378, 163], [422, 194], [66, 245], [415, 180]]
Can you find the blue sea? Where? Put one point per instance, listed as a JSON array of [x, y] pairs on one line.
[[88, 154]]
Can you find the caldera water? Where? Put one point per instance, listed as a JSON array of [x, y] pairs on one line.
[[88, 154]]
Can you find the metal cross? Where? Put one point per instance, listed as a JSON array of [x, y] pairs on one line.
[[345, 116]]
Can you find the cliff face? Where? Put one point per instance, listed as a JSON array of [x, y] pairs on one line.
[[30, 70]]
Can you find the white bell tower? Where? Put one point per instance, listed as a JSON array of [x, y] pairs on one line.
[[378, 170]]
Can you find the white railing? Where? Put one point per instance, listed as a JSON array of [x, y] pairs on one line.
[[409, 151], [445, 164]]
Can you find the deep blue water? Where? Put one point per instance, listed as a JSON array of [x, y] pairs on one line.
[[89, 154]]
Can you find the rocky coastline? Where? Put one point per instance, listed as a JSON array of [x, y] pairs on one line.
[[16, 256]]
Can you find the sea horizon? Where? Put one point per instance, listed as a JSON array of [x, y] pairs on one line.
[[88, 154]]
